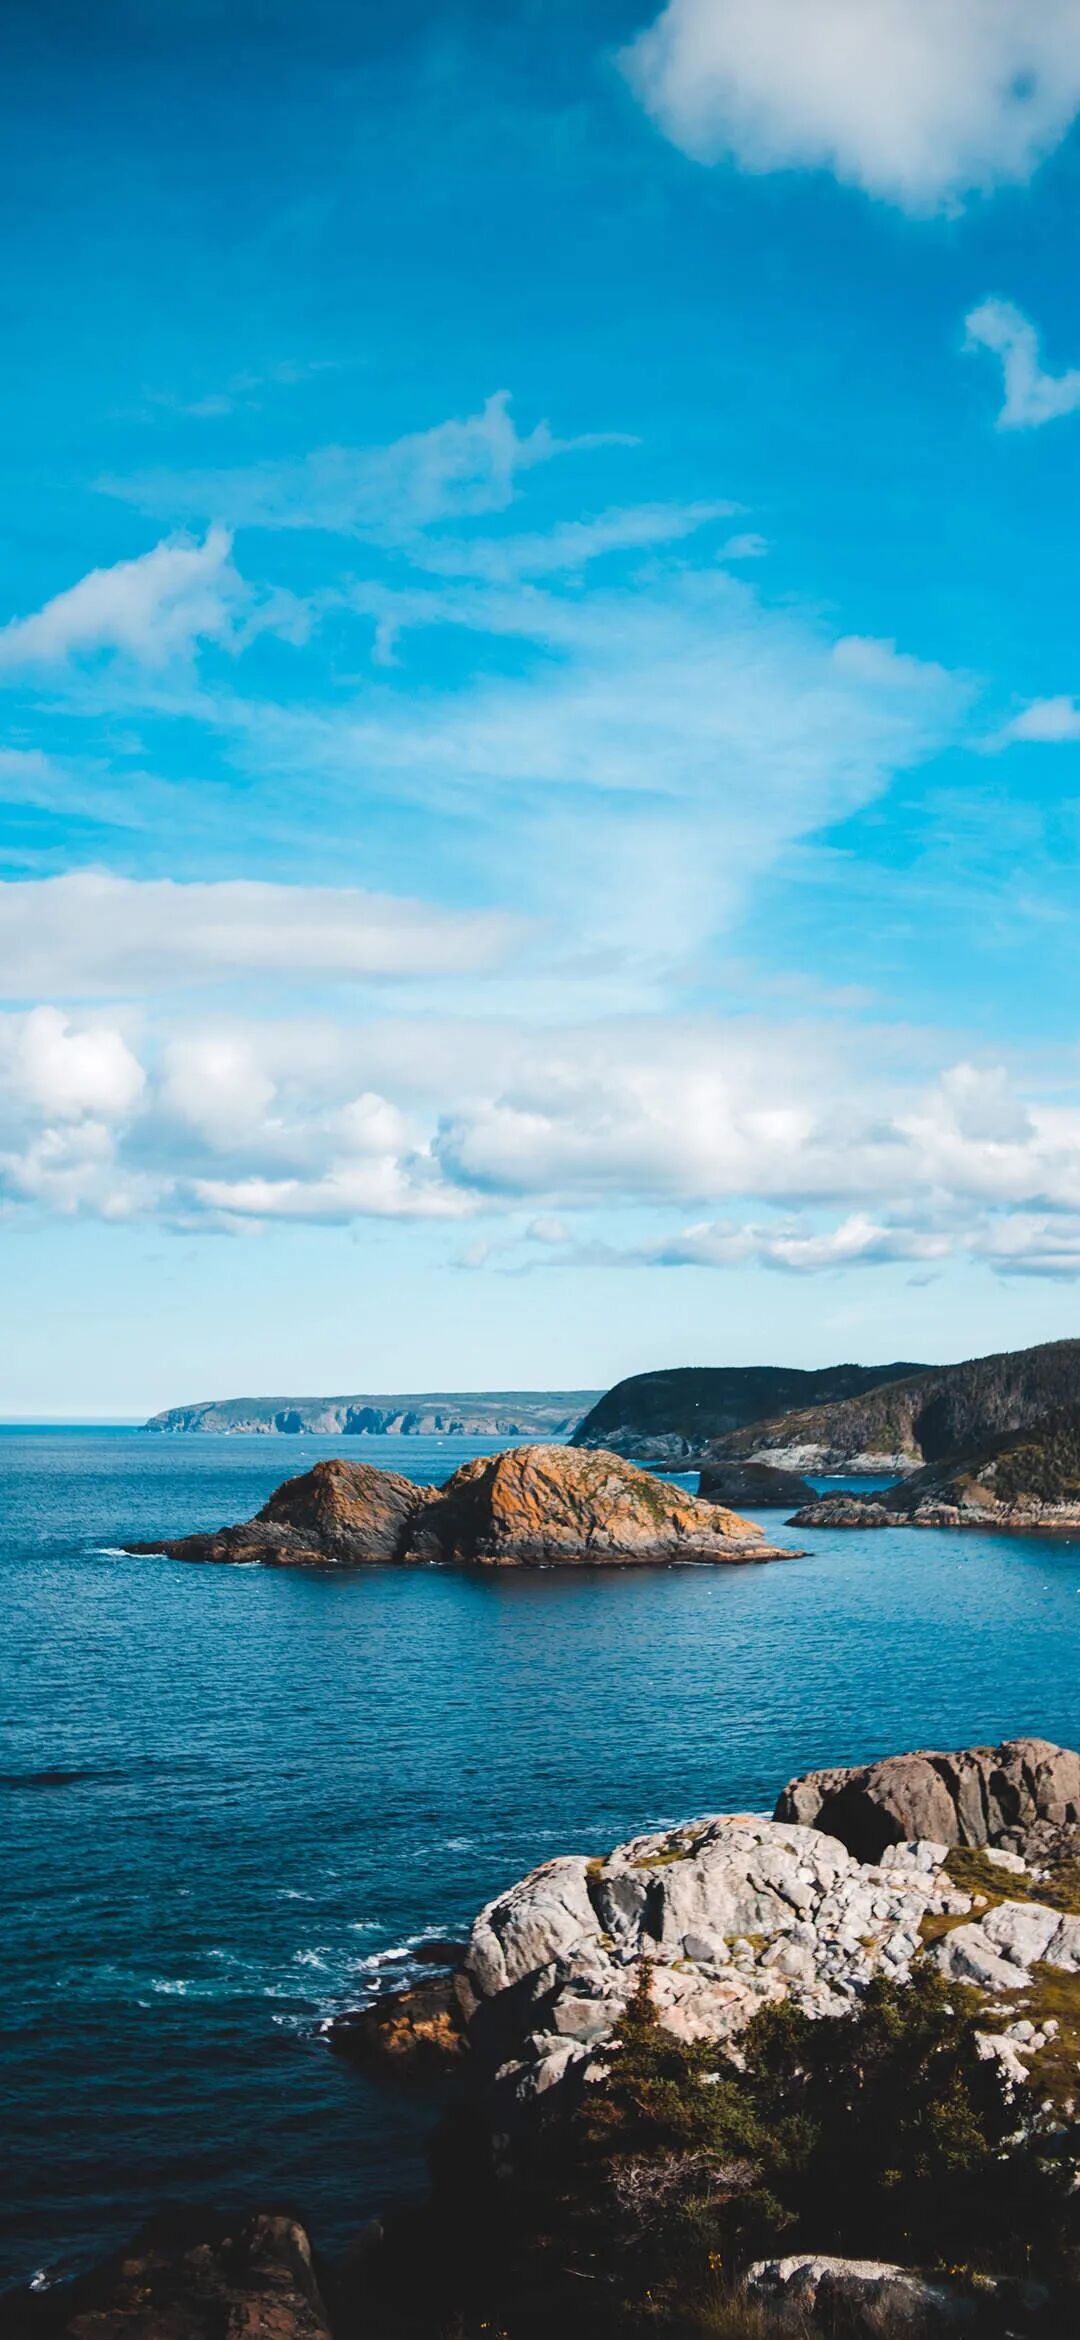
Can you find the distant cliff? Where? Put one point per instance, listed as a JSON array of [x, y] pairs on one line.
[[931, 1415], [500, 1413], [665, 1417]]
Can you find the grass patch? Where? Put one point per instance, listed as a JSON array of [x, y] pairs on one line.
[[1055, 2068], [970, 1869]]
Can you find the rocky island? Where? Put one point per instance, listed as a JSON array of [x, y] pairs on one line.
[[530, 1507], [761, 1484]]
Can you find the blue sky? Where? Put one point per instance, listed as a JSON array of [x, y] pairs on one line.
[[540, 780]]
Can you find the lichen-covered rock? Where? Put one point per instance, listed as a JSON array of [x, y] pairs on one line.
[[734, 1912], [542, 1505], [981, 1795], [843, 1511], [532, 1506], [414, 2033], [340, 1512]]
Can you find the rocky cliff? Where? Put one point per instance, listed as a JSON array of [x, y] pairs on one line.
[[532, 1506], [507, 1413], [1027, 1479], [853, 1879], [662, 1417], [926, 1417]]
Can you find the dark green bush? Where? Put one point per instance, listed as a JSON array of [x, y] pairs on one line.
[[878, 2134]]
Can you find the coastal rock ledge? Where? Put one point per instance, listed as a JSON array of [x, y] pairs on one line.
[[735, 1912], [530, 1507]]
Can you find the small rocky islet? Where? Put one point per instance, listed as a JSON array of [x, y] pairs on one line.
[[691, 2087], [529, 1507]]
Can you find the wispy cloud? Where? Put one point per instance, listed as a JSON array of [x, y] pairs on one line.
[[460, 469], [676, 734], [1049, 721], [151, 609], [919, 103], [1032, 396], [571, 545]]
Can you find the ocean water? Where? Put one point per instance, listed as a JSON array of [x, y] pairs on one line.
[[232, 1801]]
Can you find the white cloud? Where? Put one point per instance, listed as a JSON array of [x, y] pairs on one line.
[[459, 470], [1032, 396], [856, 1241], [822, 1150], [920, 102], [1048, 722], [65, 1072], [91, 934], [381, 1188], [152, 609]]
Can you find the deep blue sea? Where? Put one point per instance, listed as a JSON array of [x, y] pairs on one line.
[[232, 1800]]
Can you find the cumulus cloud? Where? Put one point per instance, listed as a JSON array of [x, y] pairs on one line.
[[459, 470], [821, 1155], [1032, 396], [66, 1072], [91, 934], [920, 102], [151, 609]]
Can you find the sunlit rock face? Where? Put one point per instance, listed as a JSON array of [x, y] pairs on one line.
[[532, 1506]]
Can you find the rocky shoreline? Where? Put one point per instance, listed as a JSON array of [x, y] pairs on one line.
[[655, 2056], [1025, 1479]]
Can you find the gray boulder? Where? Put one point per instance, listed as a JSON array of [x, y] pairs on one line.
[[982, 1795], [865, 2296]]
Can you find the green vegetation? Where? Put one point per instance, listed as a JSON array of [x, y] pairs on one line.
[[878, 2134], [702, 1403], [1055, 2068], [973, 1871], [1044, 1467]]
